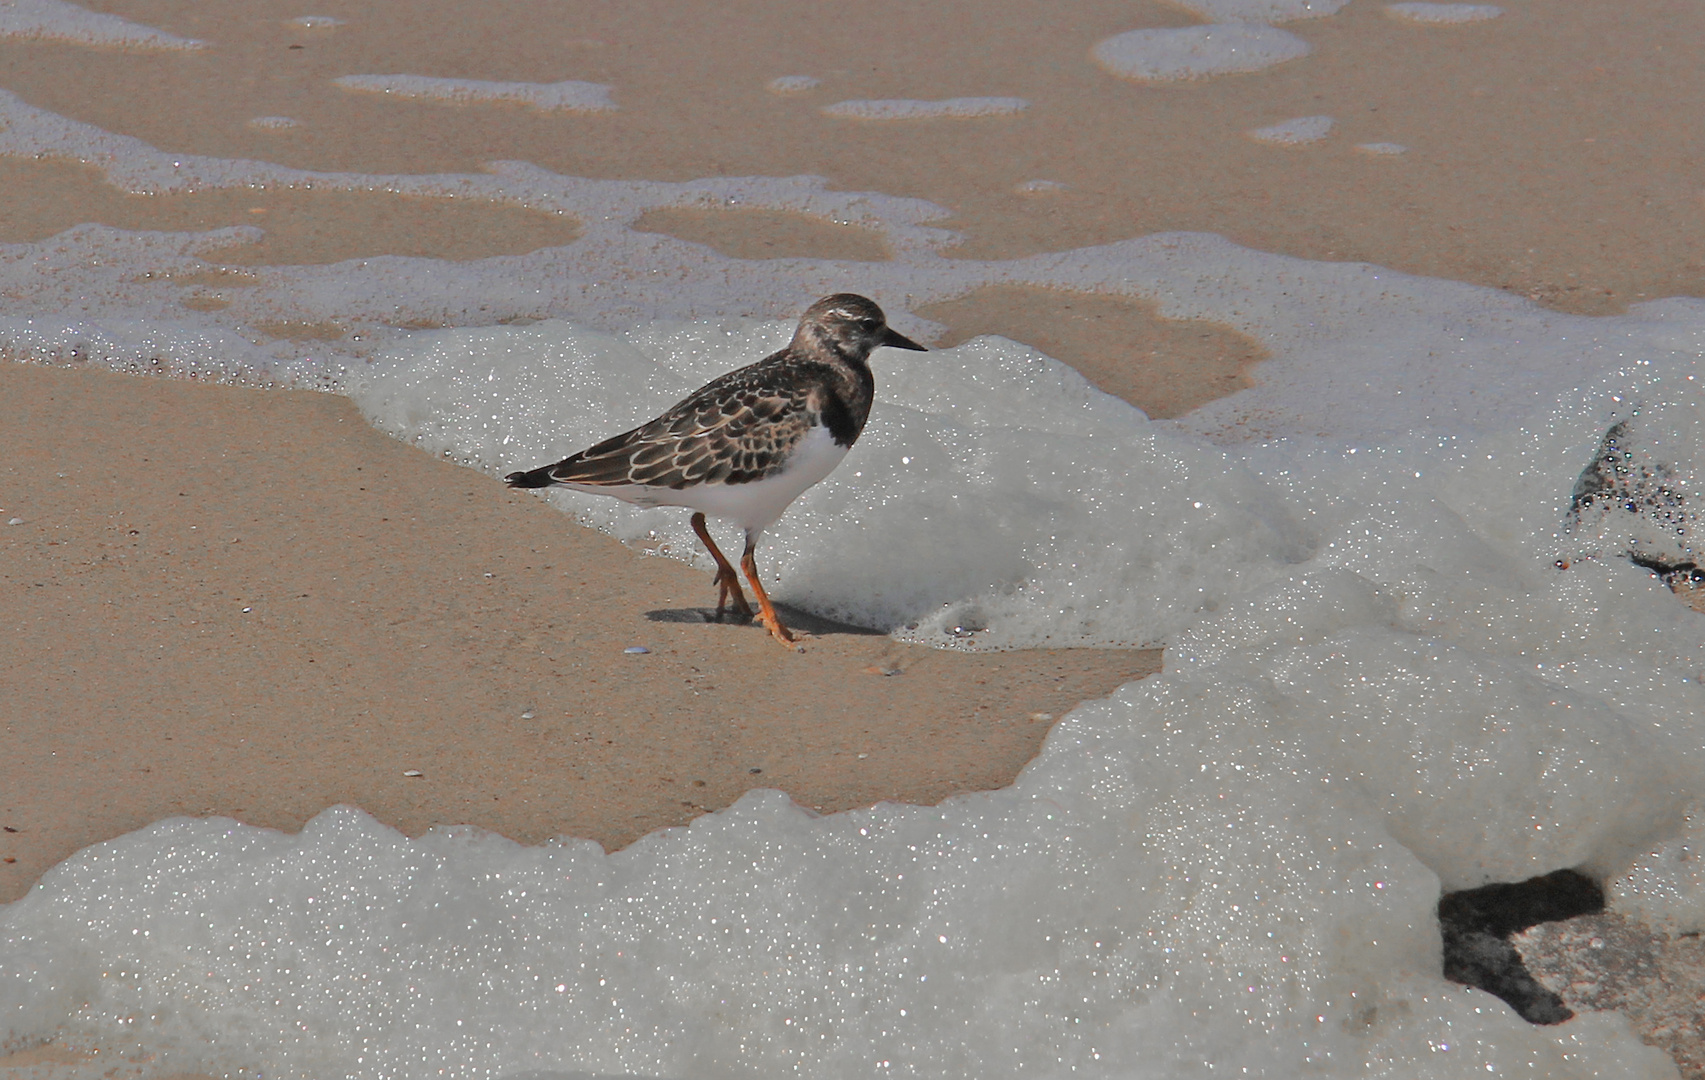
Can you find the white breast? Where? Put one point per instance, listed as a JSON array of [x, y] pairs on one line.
[[756, 506]]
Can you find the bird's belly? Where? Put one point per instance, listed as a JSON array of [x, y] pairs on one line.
[[754, 505], [757, 504]]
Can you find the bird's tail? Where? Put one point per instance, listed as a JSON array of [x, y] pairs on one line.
[[532, 478]]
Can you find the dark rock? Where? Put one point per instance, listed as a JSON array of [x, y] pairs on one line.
[[1477, 924]]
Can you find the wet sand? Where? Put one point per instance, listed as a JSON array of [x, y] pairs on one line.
[[1552, 151]]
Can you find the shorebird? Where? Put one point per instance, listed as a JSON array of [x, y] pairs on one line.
[[744, 446]]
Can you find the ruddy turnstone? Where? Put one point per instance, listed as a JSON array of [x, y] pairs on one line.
[[744, 446]]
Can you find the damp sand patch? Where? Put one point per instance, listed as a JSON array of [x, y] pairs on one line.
[[1165, 367]]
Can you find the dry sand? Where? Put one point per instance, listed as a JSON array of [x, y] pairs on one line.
[[224, 601]]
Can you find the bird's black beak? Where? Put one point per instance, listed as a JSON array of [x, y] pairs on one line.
[[896, 340]]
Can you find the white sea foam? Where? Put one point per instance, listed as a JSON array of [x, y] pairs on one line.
[[1229, 865], [1195, 52], [61, 21], [273, 123], [1666, 887], [568, 96], [316, 22], [1406, 652], [907, 109], [1302, 129], [792, 84], [1263, 11], [1039, 187], [1444, 14], [1382, 149]]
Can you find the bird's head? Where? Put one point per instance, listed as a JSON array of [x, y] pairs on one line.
[[849, 325]]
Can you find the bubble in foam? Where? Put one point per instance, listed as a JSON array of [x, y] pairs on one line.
[[792, 84], [1195, 52], [908, 109], [1443, 14], [567, 96], [1303, 129], [61, 21]]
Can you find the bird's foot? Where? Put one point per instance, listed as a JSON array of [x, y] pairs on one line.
[[728, 585], [789, 639]]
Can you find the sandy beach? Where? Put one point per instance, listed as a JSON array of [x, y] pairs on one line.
[[247, 602], [1548, 150], [206, 622]]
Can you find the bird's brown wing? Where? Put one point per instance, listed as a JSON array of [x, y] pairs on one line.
[[737, 429]]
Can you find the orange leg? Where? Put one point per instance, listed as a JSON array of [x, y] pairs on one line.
[[771, 619], [727, 581]]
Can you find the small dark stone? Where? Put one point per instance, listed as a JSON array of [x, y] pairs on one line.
[[1477, 924]]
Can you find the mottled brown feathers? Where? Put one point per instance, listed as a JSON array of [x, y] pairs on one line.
[[742, 427], [737, 429]]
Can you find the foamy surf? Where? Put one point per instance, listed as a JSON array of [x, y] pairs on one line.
[[1380, 682]]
